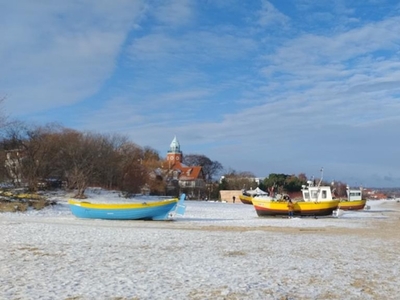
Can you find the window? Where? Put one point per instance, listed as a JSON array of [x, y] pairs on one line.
[[355, 194]]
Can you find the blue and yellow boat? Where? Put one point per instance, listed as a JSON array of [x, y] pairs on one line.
[[146, 210]]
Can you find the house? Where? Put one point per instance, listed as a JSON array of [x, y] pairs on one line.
[[181, 178], [13, 165], [374, 194]]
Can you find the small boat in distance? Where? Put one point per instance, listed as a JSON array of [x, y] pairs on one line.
[[147, 210], [354, 200], [246, 197]]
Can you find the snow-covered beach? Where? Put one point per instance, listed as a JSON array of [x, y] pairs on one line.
[[215, 251]]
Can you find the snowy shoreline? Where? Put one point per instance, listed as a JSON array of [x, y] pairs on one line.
[[216, 251]]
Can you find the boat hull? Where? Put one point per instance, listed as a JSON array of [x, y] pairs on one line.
[[246, 199], [352, 205], [265, 208], [152, 210]]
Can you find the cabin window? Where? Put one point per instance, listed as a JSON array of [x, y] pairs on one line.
[[314, 195], [306, 195], [323, 195], [355, 194]]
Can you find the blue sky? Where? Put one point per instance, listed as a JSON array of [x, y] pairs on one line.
[[261, 86]]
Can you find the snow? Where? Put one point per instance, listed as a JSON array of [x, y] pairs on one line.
[[215, 251]]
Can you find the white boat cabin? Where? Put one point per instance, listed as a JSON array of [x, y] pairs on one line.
[[354, 194], [312, 193], [255, 192]]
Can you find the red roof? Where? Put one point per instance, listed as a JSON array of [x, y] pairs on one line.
[[188, 173]]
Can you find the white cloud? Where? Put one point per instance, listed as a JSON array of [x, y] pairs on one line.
[[174, 12], [195, 46], [269, 15], [58, 54]]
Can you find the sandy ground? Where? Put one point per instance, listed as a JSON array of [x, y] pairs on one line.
[[217, 251]]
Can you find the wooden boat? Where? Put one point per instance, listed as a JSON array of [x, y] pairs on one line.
[[353, 201], [247, 195], [148, 210]]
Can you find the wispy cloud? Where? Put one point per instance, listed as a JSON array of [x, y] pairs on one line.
[[192, 47], [174, 12], [58, 54], [269, 15]]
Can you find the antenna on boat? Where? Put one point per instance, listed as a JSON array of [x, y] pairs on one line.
[[319, 184], [322, 175]]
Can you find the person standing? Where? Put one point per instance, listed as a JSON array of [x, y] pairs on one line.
[[233, 199], [290, 207]]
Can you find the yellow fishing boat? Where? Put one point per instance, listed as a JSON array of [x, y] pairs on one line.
[[353, 201], [246, 197], [266, 208], [352, 205], [317, 201]]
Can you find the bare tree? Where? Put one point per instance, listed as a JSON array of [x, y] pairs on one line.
[[3, 115], [8, 165], [14, 145], [134, 173], [234, 180], [31, 153], [80, 156], [107, 171], [210, 168], [155, 180], [41, 154], [150, 154]]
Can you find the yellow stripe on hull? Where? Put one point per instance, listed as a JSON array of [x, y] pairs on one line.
[[273, 208], [352, 205], [246, 199], [122, 205]]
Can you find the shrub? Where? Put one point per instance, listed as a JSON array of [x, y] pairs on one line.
[[6, 206]]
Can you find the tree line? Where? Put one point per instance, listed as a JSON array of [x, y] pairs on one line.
[[39, 156], [276, 182], [51, 155]]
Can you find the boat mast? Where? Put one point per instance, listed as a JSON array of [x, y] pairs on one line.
[[322, 175], [319, 183]]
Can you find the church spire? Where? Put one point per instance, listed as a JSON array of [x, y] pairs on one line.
[[174, 153], [175, 147]]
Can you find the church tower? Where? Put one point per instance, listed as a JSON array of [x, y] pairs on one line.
[[174, 153]]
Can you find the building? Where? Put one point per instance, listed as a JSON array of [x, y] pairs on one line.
[[181, 178], [227, 196], [13, 165]]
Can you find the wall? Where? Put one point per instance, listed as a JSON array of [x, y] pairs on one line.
[[226, 195]]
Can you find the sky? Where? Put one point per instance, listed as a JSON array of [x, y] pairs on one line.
[[259, 86]]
